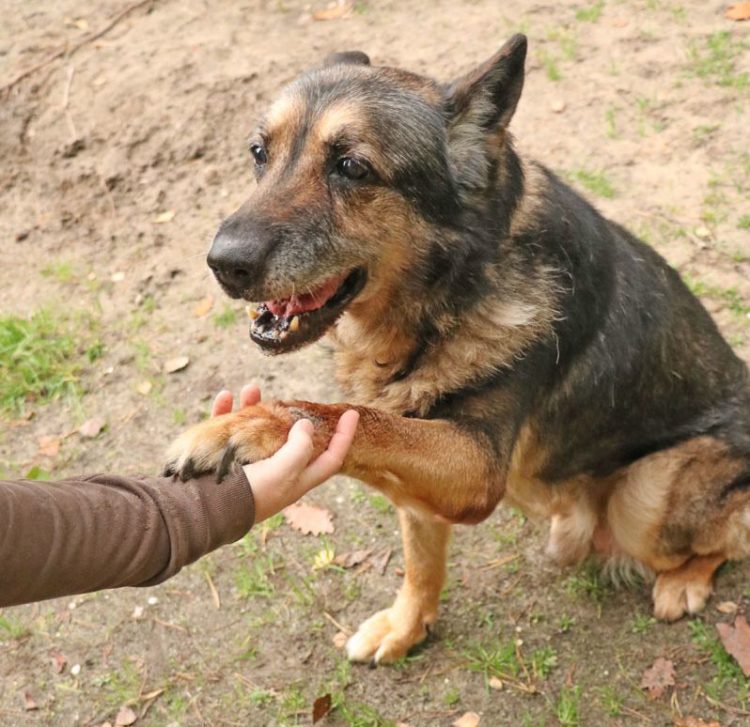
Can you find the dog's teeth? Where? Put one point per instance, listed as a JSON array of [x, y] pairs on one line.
[[294, 324], [252, 313]]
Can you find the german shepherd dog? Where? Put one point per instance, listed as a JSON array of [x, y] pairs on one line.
[[499, 337]]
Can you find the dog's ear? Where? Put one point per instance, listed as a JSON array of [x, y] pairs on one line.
[[489, 94], [352, 57]]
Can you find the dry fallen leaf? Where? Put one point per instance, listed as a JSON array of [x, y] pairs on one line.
[[163, 217], [738, 11], [178, 363], [658, 677], [49, 446], [339, 639], [380, 560], [28, 702], [470, 719], [736, 640], [727, 607], [203, 306], [321, 707], [58, 662], [308, 519], [694, 722], [334, 11], [355, 557], [144, 388], [92, 427], [495, 683], [125, 717]]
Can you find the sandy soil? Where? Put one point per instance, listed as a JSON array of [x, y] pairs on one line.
[[118, 162]]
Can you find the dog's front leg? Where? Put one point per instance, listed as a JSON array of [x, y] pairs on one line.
[[389, 634]]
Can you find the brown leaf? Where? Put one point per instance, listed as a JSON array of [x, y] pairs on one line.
[[469, 719], [308, 519], [144, 387], [736, 640], [694, 722], [738, 11], [380, 560], [92, 427], [125, 717], [334, 11], [49, 446], [321, 707], [202, 307], [28, 702], [495, 683], [658, 677], [178, 363], [727, 607], [58, 662], [339, 639], [355, 557]]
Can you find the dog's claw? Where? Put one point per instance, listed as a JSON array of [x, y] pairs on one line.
[[373, 664], [168, 470], [227, 460], [188, 471]]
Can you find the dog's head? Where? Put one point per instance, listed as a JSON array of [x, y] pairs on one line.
[[356, 168]]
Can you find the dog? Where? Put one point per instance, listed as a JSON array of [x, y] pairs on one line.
[[499, 337]]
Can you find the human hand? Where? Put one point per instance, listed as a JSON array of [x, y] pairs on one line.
[[283, 478]]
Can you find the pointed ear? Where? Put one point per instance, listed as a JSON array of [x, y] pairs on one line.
[[353, 57], [489, 94]]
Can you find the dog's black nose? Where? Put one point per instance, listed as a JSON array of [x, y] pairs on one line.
[[237, 256]]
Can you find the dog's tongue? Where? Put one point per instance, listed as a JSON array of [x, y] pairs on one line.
[[289, 307]]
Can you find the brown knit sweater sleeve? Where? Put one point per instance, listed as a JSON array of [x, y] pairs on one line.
[[105, 531]]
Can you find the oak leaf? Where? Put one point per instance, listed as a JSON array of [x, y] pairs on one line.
[[91, 428], [321, 707], [469, 719], [738, 11], [308, 519], [657, 678], [736, 640]]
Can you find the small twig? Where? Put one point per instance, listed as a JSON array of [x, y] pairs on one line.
[[725, 707], [90, 38], [168, 625], [66, 99], [214, 592], [347, 631]]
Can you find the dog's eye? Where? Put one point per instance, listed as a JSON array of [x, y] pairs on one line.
[[352, 168], [259, 154]]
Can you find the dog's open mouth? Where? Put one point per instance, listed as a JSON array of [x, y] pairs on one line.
[[282, 325]]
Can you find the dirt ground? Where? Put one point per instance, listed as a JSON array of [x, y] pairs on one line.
[[118, 161]]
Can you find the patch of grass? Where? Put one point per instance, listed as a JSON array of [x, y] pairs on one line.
[[362, 715], [62, 271], [380, 503], [179, 416], [589, 582], [714, 61], [703, 131], [744, 222], [550, 66], [41, 358], [729, 296], [727, 670], [252, 580], [595, 182], [226, 319], [543, 661], [566, 623], [610, 118], [566, 708], [498, 660], [13, 628], [120, 686], [642, 623], [451, 697], [611, 701], [590, 14]]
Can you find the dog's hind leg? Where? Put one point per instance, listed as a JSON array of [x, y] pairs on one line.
[[389, 634]]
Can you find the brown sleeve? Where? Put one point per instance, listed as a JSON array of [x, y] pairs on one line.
[[105, 531]]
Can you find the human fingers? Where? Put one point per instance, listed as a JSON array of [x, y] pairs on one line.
[[331, 461], [249, 395], [222, 403]]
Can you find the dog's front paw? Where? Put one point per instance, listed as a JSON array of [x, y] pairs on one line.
[[389, 634], [215, 445]]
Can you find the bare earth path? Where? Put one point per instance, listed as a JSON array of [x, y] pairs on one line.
[[117, 163]]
